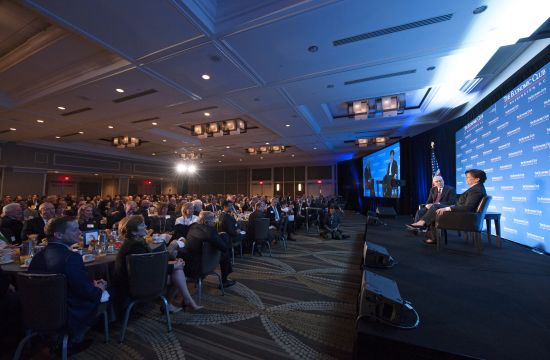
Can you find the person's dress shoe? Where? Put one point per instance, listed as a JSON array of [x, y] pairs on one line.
[[227, 283], [430, 242], [417, 226]]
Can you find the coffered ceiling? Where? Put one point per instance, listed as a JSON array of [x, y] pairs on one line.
[[282, 66]]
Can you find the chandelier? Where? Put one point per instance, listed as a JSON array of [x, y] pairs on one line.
[[363, 143], [191, 156], [219, 128], [265, 149], [122, 142]]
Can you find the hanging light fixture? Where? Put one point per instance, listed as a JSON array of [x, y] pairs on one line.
[[265, 149], [190, 156], [122, 142], [219, 128]]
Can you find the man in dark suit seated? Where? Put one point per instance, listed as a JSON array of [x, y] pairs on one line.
[[205, 231], [213, 206], [468, 201], [35, 226], [229, 223], [331, 223], [83, 295], [11, 223], [391, 174], [441, 195], [258, 213]]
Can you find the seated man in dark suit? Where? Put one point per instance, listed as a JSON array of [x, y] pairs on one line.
[[229, 224], [11, 222], [258, 213], [35, 226], [83, 295], [205, 231], [331, 223], [213, 206], [441, 195], [468, 201]]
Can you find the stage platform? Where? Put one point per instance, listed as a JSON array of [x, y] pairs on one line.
[[491, 306]]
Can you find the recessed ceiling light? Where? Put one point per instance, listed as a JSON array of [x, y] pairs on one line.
[[175, 152], [200, 149], [267, 143], [201, 162], [81, 132], [314, 148], [58, 137], [13, 129], [219, 161], [61, 107], [111, 127], [163, 140], [287, 125], [206, 114], [39, 121], [205, 77], [261, 157], [153, 154], [292, 155], [120, 90], [223, 155], [240, 159], [154, 123], [96, 174], [228, 147]]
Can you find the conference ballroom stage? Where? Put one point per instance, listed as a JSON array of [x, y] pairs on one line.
[[492, 305]]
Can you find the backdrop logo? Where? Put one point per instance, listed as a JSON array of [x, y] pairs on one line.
[[489, 170], [507, 188], [535, 237], [521, 222], [529, 162], [487, 152], [529, 137], [530, 187], [491, 122], [544, 226], [483, 136], [479, 129], [468, 151], [524, 114], [510, 230], [511, 110], [474, 123], [487, 188], [497, 178], [515, 153], [517, 176], [537, 95], [536, 77], [481, 163], [503, 126], [473, 141], [535, 212], [496, 159], [508, 209], [504, 146], [541, 147], [542, 173], [498, 198], [539, 120], [480, 146], [543, 200], [494, 140], [473, 157], [505, 167], [513, 132], [519, 199]]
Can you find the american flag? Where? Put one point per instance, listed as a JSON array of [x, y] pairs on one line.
[[435, 165]]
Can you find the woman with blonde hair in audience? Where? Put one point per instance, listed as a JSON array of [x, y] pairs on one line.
[[132, 230]]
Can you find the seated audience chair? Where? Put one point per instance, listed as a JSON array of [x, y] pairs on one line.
[[261, 234], [469, 222], [44, 308], [209, 262], [147, 282]]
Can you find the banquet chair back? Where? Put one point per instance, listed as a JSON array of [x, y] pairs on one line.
[[146, 282], [210, 259], [470, 222], [43, 306], [261, 233]]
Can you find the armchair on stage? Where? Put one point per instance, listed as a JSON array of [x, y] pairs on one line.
[[390, 187], [469, 222]]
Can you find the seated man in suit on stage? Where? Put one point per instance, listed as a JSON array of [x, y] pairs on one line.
[[83, 295], [441, 195], [468, 201], [389, 178]]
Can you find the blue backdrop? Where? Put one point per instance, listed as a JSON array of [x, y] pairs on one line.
[[510, 141]]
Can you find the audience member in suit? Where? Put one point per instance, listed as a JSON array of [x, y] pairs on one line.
[[274, 213], [369, 181], [468, 201], [331, 223], [441, 195], [391, 174], [83, 295], [213, 206], [11, 223], [205, 231], [133, 230], [35, 226], [258, 213], [230, 225], [162, 222]]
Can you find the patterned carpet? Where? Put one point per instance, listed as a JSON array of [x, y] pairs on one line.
[[295, 305]]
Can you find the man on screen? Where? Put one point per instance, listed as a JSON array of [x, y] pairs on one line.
[[468, 201], [441, 195], [391, 174], [369, 181]]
